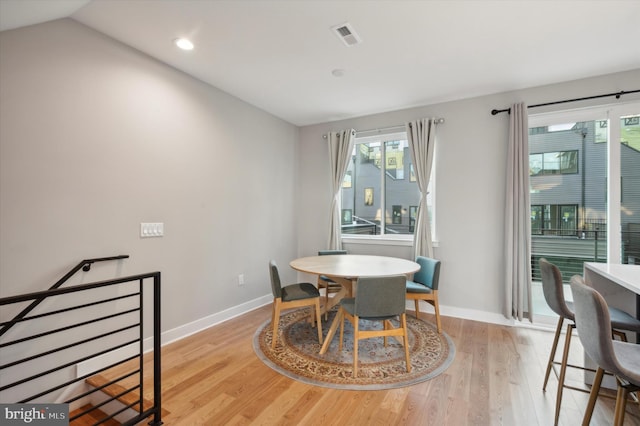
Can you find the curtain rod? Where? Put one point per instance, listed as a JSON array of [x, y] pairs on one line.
[[437, 120], [383, 129], [618, 95]]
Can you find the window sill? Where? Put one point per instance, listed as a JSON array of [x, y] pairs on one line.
[[387, 240]]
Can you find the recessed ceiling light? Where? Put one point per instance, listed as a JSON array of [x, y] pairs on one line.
[[183, 43]]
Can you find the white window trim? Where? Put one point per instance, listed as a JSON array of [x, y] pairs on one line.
[[392, 239]]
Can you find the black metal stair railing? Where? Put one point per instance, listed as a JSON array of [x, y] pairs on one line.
[[85, 265], [80, 331]]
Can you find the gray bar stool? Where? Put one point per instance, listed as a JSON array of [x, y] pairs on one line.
[[554, 295], [622, 359]]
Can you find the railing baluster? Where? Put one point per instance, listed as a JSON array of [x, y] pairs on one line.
[[89, 338], [141, 343]]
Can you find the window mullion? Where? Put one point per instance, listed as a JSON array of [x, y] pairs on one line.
[[383, 189], [614, 250]]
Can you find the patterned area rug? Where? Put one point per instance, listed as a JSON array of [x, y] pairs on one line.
[[296, 354]]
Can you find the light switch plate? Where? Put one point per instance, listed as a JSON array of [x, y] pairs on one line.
[[149, 230]]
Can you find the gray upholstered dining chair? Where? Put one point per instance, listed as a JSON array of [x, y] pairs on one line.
[[424, 286], [553, 290], [292, 296], [376, 299], [327, 283], [622, 359]]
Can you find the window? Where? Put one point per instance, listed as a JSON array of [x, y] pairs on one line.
[[554, 219], [380, 190], [553, 163]]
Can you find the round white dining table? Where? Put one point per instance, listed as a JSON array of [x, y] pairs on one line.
[[345, 270], [353, 266]]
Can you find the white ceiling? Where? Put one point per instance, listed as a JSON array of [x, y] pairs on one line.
[[279, 55]]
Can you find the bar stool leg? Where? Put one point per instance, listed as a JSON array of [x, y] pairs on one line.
[[621, 402], [593, 396], [552, 355], [563, 371]]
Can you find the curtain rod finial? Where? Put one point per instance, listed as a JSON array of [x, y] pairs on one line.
[[494, 112]]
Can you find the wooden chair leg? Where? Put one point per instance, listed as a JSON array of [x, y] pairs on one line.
[[275, 321], [318, 320], [552, 355], [593, 395], [436, 307], [326, 304], [386, 325], [356, 337], [339, 318], [563, 371], [403, 323], [417, 304], [326, 301], [621, 404], [273, 312], [341, 334]]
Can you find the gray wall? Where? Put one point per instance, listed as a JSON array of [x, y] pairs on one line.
[[96, 137], [470, 175]]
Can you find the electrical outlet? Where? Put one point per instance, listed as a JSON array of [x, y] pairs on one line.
[[241, 279]]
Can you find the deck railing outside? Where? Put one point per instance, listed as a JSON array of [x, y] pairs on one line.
[[569, 250]]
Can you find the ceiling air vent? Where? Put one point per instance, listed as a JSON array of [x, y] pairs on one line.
[[346, 33]]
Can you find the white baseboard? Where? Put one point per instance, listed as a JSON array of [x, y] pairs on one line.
[[541, 322], [183, 331], [476, 315], [464, 313]]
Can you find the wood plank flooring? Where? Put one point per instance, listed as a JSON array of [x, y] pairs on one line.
[[214, 378]]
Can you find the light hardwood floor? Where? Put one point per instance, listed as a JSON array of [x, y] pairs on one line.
[[214, 378]]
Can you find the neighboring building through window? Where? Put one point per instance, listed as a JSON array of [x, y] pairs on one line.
[[578, 213], [379, 193]]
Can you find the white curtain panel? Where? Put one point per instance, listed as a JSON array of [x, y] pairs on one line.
[[517, 219], [421, 135], [340, 149]]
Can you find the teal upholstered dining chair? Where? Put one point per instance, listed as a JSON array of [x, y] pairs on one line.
[[622, 359], [292, 296], [376, 299], [327, 283], [424, 286]]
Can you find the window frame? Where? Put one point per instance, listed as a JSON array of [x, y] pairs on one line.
[[390, 238], [611, 112], [547, 219], [560, 169]]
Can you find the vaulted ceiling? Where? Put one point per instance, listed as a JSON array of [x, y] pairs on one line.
[[284, 57]]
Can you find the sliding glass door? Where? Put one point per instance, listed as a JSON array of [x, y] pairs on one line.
[[630, 186], [584, 169]]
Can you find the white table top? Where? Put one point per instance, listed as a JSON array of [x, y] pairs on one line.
[[627, 276], [354, 265]]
